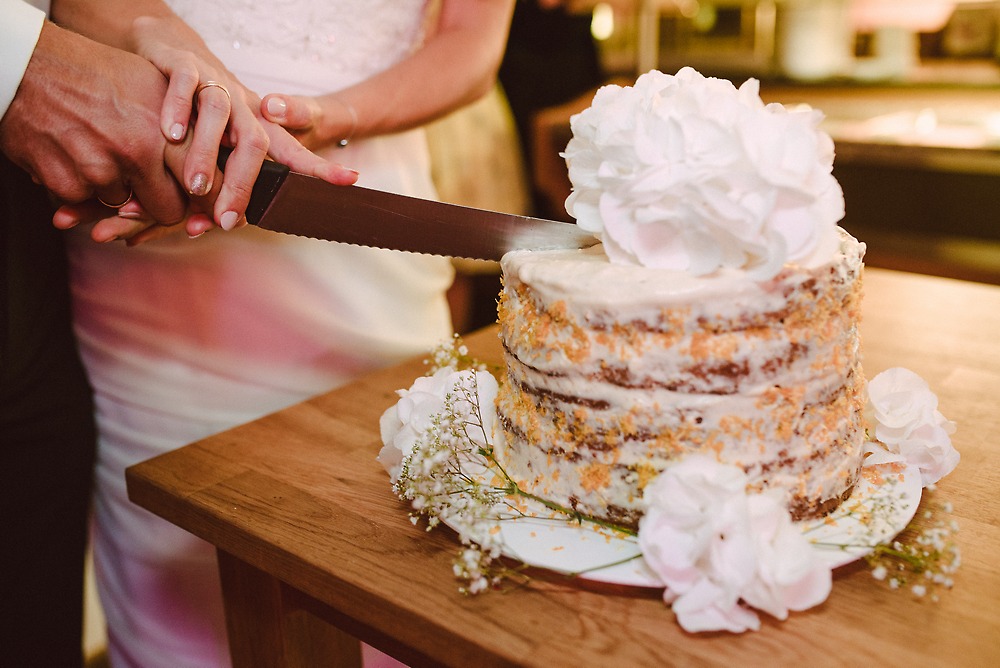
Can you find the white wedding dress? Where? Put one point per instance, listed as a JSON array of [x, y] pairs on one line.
[[185, 338]]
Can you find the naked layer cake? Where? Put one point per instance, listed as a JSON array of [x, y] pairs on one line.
[[719, 315]]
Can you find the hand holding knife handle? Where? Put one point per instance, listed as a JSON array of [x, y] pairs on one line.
[[272, 175]]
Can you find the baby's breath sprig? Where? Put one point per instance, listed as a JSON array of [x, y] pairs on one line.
[[453, 354], [874, 515], [437, 479], [451, 475], [925, 557]]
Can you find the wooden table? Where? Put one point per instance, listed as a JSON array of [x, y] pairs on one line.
[[309, 531]]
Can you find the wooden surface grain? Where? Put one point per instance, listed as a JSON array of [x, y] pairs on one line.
[[298, 497]]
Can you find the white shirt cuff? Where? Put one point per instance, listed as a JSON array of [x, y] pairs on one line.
[[20, 26]]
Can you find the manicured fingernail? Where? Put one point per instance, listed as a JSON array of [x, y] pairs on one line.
[[177, 132], [200, 185], [276, 106], [198, 225], [228, 220], [129, 215]]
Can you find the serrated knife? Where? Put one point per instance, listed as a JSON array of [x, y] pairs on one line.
[[293, 203]]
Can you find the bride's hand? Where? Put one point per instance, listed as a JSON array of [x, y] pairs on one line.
[[315, 122], [226, 113], [218, 112], [299, 114]]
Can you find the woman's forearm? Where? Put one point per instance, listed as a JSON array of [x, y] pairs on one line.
[[457, 65], [106, 21]]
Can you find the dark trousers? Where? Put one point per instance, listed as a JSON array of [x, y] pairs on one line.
[[47, 438]]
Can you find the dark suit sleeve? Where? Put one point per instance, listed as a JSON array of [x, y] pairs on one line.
[[47, 438]]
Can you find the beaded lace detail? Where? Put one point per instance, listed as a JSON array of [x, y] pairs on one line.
[[353, 38]]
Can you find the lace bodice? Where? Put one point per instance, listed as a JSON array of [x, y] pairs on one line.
[[306, 46]]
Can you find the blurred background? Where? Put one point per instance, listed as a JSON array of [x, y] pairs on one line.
[[910, 90]]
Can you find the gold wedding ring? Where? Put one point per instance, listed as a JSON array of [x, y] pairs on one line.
[[213, 84], [116, 206]]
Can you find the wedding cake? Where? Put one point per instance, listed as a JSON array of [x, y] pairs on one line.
[[718, 316]]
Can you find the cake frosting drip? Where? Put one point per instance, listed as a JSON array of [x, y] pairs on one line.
[[615, 371]]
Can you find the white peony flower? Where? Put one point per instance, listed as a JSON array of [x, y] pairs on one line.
[[904, 413], [708, 606], [690, 173], [403, 424], [718, 550], [693, 523], [789, 577]]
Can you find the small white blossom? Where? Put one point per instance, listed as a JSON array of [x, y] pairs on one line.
[[907, 422], [444, 404], [926, 559]]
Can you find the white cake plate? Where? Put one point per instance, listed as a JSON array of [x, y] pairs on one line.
[[883, 503]]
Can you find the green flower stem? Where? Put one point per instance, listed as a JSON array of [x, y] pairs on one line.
[[913, 560], [603, 566], [513, 489]]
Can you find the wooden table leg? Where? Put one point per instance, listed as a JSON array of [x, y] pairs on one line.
[[266, 630]]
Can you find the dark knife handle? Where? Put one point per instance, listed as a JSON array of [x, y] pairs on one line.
[[272, 175]]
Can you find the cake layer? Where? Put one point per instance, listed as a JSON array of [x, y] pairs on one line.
[[614, 372]]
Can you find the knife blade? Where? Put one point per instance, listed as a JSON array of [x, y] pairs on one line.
[[293, 203]]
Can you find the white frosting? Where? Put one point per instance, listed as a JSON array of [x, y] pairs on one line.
[[618, 370], [591, 282], [691, 174]]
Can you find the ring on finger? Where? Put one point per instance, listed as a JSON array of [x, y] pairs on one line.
[[213, 84], [117, 206]]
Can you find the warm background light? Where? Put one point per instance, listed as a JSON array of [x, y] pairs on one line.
[[602, 24], [915, 15]]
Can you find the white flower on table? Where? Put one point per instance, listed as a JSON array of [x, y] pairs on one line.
[[418, 409], [433, 440], [904, 412], [720, 551], [690, 173]]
